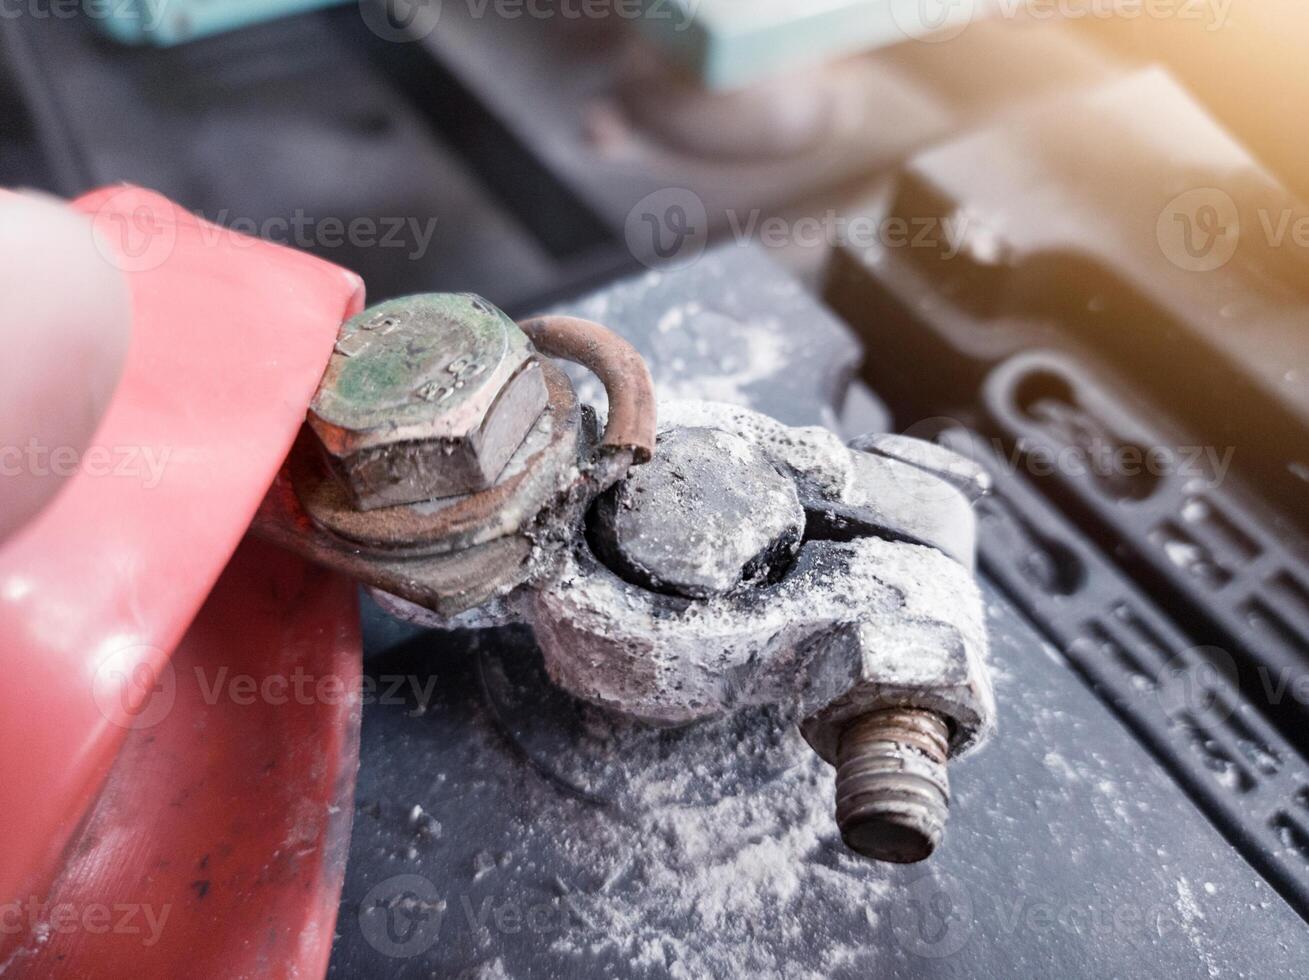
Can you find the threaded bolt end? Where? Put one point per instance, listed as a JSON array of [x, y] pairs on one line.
[[892, 792]]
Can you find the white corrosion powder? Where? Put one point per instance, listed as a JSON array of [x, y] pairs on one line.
[[729, 888]]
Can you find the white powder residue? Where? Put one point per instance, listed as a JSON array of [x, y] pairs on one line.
[[1060, 766], [726, 372], [744, 869], [1191, 918], [730, 356]]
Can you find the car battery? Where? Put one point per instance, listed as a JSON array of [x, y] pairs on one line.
[[503, 828]]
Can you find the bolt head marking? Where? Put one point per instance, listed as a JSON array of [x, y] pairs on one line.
[[398, 359], [417, 380]]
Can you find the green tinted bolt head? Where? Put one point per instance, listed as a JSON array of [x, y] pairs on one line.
[[426, 396]]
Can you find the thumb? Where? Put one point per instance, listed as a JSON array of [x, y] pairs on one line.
[[65, 323]]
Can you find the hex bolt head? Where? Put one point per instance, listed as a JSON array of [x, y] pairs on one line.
[[892, 792], [424, 397]]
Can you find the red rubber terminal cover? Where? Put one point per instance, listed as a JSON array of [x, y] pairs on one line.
[[230, 337]]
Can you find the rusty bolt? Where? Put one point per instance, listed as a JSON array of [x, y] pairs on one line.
[[424, 397], [892, 793]]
